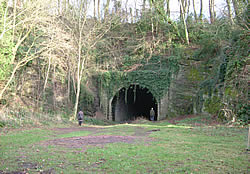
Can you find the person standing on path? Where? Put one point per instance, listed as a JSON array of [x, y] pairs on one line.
[[152, 114], [80, 117]]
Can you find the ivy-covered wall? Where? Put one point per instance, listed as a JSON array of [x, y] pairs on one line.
[[154, 76], [157, 82]]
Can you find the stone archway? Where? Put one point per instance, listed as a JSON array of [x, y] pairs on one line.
[[131, 103]]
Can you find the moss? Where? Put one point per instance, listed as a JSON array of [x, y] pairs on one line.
[[212, 105], [231, 92], [194, 75]]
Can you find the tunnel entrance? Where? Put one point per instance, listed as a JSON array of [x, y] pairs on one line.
[[129, 104]]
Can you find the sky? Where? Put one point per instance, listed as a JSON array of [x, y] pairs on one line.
[[174, 6]]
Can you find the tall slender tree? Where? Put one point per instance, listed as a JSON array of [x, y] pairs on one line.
[[106, 10], [229, 11], [94, 8], [168, 8], [211, 11], [195, 13], [98, 10], [201, 10], [184, 21], [236, 7]]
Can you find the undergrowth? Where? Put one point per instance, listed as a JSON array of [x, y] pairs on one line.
[[25, 118]]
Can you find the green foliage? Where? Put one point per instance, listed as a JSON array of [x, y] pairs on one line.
[[5, 60], [243, 112], [151, 76], [94, 121], [6, 45], [202, 119], [128, 62], [2, 124], [224, 54], [194, 75], [212, 105]]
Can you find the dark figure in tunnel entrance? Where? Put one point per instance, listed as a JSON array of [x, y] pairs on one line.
[[132, 103], [152, 114]]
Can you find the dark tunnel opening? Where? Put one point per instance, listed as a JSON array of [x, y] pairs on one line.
[[129, 104]]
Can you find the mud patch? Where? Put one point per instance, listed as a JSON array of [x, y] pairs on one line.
[[84, 142]]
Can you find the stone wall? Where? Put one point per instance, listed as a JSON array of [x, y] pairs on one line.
[[178, 100]]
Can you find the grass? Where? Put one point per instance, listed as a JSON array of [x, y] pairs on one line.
[[174, 149], [74, 134]]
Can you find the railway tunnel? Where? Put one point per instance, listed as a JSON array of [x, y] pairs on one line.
[[132, 103]]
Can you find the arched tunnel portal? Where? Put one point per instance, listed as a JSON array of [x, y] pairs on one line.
[[133, 102]]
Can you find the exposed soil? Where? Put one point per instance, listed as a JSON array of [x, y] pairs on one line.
[[84, 142]]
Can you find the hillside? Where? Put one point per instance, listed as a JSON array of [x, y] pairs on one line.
[[117, 66]]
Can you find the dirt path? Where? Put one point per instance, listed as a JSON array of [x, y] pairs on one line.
[[95, 139]]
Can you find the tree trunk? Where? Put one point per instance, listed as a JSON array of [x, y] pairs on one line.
[[195, 14], [184, 8], [14, 20], [126, 8], [211, 11], [69, 80], [229, 11], [168, 8], [54, 87], [94, 9], [106, 10], [131, 15], [98, 10], [78, 88], [184, 22], [214, 13], [59, 6], [47, 76], [81, 23], [39, 91], [143, 7], [236, 8], [248, 142], [201, 10]]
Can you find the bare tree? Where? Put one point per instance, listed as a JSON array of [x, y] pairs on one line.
[[236, 7], [201, 10], [184, 21], [27, 25], [106, 10], [195, 14], [168, 8], [94, 8], [86, 33], [211, 11], [229, 11], [98, 10]]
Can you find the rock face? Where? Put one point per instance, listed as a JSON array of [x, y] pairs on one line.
[[182, 94]]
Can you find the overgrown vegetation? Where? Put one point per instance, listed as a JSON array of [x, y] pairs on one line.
[[54, 61], [156, 76]]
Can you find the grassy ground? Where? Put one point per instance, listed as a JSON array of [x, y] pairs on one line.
[[157, 147]]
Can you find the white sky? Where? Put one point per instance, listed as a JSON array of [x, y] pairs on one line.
[[174, 6]]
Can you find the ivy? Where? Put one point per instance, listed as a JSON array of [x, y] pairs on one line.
[[155, 75], [157, 82]]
